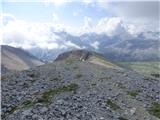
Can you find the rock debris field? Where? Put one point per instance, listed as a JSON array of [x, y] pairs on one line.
[[76, 90]]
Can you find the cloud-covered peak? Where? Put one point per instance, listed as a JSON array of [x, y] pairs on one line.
[[34, 26]]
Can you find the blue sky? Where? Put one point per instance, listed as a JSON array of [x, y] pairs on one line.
[[71, 13]]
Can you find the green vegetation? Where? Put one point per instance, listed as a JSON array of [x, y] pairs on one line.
[[133, 93], [27, 104], [122, 118], [146, 68], [155, 109], [78, 76], [12, 110], [112, 105], [106, 78], [46, 96], [55, 79], [3, 77], [93, 84]]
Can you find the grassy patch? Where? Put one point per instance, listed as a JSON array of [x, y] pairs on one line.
[[93, 84], [3, 77], [106, 78], [78, 76], [27, 104], [13, 109], [122, 118], [55, 79], [145, 68], [155, 109], [133, 93], [46, 96], [112, 105]]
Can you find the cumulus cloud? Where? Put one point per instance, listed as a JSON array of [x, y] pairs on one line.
[[87, 27], [77, 12], [6, 17], [19, 33], [112, 26], [56, 2], [95, 45], [144, 14], [55, 18], [70, 44]]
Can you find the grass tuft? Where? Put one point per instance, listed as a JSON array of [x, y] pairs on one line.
[[132, 93], [155, 109], [27, 104], [122, 118], [112, 105], [78, 76], [46, 96]]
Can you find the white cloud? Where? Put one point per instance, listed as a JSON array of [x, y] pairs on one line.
[[70, 44], [77, 12], [87, 27], [95, 45], [56, 2], [144, 14], [112, 26], [55, 18], [19, 33]]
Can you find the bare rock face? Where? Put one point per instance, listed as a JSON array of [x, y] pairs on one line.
[[17, 59], [79, 90]]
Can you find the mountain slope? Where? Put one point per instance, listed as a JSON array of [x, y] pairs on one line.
[[79, 90], [17, 59], [84, 55]]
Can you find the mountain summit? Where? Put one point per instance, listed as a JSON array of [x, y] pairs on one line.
[[85, 55]]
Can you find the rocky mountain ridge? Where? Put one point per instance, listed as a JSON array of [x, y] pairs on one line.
[[73, 89]]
